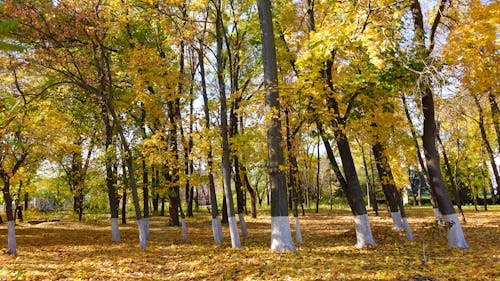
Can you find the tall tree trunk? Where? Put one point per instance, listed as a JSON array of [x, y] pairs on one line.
[[226, 165], [281, 239], [455, 232], [216, 224]]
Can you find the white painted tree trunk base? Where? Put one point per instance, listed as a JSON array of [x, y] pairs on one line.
[[243, 226], [407, 228], [397, 223], [281, 237], [298, 233], [233, 231], [363, 231], [142, 234], [219, 228], [439, 219], [145, 225], [115, 232], [455, 233], [11, 240], [184, 232], [216, 231]]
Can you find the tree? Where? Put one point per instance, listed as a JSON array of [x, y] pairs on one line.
[[281, 239], [455, 233]]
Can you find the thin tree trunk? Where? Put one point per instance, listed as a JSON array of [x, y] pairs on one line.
[[7, 199], [495, 114], [388, 184], [486, 143], [112, 196], [420, 158], [318, 186], [369, 193], [451, 178], [216, 224], [226, 165]]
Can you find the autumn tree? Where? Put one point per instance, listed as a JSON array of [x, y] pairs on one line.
[[423, 52], [281, 239]]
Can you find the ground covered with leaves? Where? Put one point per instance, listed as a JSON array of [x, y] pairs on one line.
[[70, 250]]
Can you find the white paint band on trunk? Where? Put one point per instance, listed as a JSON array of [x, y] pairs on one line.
[[233, 231], [145, 225], [455, 233], [281, 238], [184, 232], [396, 221], [142, 234], [11, 240], [216, 232], [407, 228], [298, 233], [115, 232], [437, 214], [363, 231], [243, 226]]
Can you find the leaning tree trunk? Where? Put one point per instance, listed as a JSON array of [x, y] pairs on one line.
[[226, 165], [393, 195], [420, 161], [455, 232], [281, 239], [388, 184], [451, 178]]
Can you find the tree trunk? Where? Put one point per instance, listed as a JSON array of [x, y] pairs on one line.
[[487, 145], [419, 156], [251, 190], [451, 178], [318, 186], [281, 239], [455, 233], [370, 192], [226, 165], [7, 199], [112, 196], [438, 191], [388, 184], [293, 178], [216, 224], [495, 115]]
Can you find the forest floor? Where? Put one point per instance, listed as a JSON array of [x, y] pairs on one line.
[[68, 250]]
